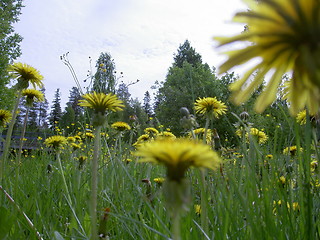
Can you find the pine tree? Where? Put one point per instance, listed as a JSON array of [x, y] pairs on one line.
[[73, 113], [147, 104], [55, 114], [188, 54], [42, 108]]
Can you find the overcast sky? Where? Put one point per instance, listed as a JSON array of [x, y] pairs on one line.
[[140, 35]]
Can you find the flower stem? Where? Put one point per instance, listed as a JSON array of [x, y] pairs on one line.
[[176, 226], [22, 137], [94, 183], [204, 213], [63, 178], [8, 137]]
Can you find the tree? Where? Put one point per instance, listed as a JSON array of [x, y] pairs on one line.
[[55, 114], [9, 47], [42, 108], [147, 104], [105, 79], [180, 89], [186, 53], [73, 113]]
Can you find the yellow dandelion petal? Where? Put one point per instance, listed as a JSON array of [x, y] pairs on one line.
[[151, 130], [5, 117], [178, 155], [25, 74], [121, 126], [210, 107], [283, 37], [101, 102], [32, 95], [56, 142]]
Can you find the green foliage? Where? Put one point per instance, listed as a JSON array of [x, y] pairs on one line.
[[73, 115], [245, 198], [9, 47], [188, 54], [104, 78]]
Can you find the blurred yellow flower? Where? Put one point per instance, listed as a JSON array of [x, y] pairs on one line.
[[197, 209], [5, 117], [166, 134], [291, 150], [151, 130], [25, 74], [121, 126], [56, 142], [199, 132], [210, 107], [302, 117], [159, 180], [283, 36], [32, 95], [259, 135], [178, 155]]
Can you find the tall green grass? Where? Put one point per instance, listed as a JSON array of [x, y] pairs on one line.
[[245, 198]]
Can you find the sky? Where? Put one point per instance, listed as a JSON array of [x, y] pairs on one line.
[[142, 37]]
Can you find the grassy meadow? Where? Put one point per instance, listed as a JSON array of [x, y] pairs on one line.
[[258, 192]]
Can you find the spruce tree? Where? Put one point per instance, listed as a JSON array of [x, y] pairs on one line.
[[56, 113]]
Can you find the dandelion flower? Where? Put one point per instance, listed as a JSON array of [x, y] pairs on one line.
[[259, 135], [32, 95], [151, 131], [142, 139], [210, 107], [178, 155], [199, 132], [159, 180], [291, 150], [25, 74], [101, 103], [56, 142], [197, 209], [121, 126], [5, 117], [166, 134], [284, 36]]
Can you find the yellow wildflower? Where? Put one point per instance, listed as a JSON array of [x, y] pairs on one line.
[[283, 36], [178, 155], [210, 107]]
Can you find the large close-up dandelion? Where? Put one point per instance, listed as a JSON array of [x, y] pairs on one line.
[[283, 37], [210, 107]]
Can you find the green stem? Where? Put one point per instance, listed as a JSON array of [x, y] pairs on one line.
[[203, 203], [22, 137], [8, 137], [176, 226], [206, 130], [63, 178], [94, 183]]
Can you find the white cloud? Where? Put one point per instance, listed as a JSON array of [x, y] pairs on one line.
[[141, 35]]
